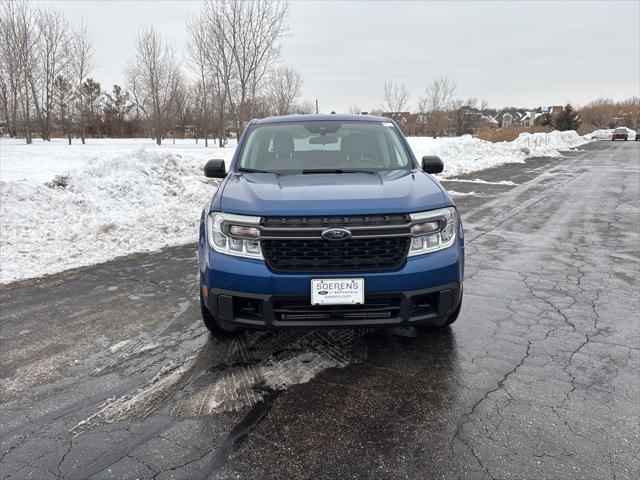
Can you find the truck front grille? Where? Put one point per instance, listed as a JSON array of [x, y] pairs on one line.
[[295, 244]]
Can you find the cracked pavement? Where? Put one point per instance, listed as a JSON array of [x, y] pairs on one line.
[[537, 379]]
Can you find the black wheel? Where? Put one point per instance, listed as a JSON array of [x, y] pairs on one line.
[[454, 316], [214, 325]]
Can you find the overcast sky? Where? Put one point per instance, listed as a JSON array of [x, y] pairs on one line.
[[509, 53]]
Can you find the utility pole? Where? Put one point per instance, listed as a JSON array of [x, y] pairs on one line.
[[316, 106]]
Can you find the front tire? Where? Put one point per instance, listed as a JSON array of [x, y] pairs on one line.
[[213, 325], [450, 320], [454, 316]]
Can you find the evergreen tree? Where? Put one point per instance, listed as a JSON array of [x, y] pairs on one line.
[[567, 119], [544, 120], [62, 90], [91, 92], [116, 107]]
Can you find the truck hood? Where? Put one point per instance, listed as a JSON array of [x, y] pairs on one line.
[[268, 194]]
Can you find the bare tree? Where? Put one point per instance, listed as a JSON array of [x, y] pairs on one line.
[[220, 61], [20, 39], [304, 108], [283, 88], [437, 103], [396, 97], [54, 36], [34, 47], [10, 67], [199, 62], [152, 76], [250, 31], [354, 110], [81, 55]]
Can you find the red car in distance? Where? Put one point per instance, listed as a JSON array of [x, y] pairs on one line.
[[620, 134]]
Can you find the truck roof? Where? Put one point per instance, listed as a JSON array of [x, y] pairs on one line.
[[320, 118]]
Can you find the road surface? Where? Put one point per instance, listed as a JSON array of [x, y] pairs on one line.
[[107, 371]]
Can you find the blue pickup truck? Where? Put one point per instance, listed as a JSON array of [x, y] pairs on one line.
[[328, 221]]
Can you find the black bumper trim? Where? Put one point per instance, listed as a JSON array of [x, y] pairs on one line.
[[255, 310]]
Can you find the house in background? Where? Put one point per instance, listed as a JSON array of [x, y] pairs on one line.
[[520, 118], [469, 120], [529, 120], [488, 122], [510, 117]]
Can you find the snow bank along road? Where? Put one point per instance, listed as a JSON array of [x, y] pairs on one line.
[[108, 373], [64, 206]]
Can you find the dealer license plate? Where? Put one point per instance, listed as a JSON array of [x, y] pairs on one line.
[[337, 291]]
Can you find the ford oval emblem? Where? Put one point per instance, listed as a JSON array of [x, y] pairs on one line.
[[336, 234]]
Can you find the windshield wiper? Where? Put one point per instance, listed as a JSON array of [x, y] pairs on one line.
[[335, 170], [253, 170]]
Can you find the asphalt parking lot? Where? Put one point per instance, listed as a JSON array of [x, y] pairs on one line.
[[107, 372]]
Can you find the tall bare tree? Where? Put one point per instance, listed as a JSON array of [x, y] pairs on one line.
[[437, 104], [199, 56], [10, 67], [21, 36], [54, 36], [248, 36], [34, 51], [152, 76], [81, 55], [284, 86], [396, 97]]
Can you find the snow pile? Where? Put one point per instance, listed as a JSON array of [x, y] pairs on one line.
[[603, 134], [467, 154], [67, 206], [111, 206]]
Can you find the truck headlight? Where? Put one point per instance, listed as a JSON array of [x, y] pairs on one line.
[[236, 235], [433, 230]]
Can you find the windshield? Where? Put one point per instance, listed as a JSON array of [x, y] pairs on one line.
[[318, 146]]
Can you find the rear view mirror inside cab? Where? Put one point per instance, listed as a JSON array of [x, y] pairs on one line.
[[323, 140], [322, 128]]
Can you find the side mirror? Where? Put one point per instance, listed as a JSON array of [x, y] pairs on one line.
[[432, 164], [215, 169]]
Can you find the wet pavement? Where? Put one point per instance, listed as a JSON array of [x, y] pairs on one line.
[[107, 371]]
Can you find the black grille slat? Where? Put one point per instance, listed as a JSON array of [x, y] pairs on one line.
[[336, 221], [373, 308]]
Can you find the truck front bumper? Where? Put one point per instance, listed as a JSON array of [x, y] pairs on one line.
[[425, 290]]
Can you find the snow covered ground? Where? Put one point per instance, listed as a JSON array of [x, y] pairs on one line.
[[121, 196], [67, 206]]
